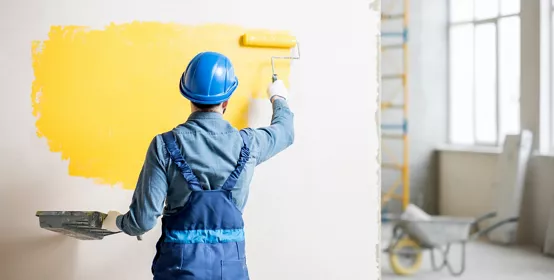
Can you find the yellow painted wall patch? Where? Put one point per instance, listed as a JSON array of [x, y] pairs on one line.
[[100, 96]]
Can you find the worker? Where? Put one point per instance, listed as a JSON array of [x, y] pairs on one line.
[[202, 170]]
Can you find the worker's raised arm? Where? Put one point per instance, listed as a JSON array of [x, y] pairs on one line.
[[149, 196], [279, 135]]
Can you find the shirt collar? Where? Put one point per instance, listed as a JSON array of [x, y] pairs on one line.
[[205, 116]]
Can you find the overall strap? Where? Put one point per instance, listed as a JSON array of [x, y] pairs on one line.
[[243, 159], [177, 157]]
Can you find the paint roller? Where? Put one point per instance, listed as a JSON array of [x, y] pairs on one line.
[[272, 40]]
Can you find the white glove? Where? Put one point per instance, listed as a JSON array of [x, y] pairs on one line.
[[109, 222], [277, 88]]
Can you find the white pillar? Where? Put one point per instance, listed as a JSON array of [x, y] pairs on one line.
[[535, 65]]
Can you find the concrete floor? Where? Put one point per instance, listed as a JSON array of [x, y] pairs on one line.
[[483, 261]]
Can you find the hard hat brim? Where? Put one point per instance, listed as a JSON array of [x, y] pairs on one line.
[[208, 100]]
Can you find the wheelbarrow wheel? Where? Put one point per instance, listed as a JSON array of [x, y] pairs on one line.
[[405, 257]]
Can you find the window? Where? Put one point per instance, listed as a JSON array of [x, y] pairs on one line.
[[484, 71]]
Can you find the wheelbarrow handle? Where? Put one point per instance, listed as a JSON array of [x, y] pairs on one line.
[[486, 216], [489, 215], [493, 227]]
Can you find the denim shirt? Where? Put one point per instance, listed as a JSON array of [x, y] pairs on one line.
[[211, 146]]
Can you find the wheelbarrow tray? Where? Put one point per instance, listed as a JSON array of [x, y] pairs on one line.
[[438, 231]]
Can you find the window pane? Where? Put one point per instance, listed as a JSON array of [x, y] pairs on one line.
[[461, 10], [509, 71], [509, 7], [461, 84], [485, 83], [486, 9]]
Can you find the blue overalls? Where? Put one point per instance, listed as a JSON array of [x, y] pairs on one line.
[[205, 239]]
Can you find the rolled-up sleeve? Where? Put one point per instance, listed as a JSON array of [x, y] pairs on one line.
[[149, 197], [278, 136]]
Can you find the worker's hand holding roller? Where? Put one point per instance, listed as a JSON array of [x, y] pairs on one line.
[[277, 89]]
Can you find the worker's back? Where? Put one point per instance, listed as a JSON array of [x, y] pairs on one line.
[[211, 146]]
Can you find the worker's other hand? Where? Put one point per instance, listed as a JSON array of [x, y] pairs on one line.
[[277, 89], [109, 222]]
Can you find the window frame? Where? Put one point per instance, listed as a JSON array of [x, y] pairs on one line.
[[476, 22], [549, 147]]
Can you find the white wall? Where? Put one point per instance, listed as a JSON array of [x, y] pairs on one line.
[[466, 180], [428, 98], [313, 209]]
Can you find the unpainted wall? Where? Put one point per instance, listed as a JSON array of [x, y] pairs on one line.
[[466, 184]]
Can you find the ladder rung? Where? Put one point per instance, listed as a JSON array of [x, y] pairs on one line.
[[392, 126], [392, 16], [387, 105], [391, 196], [392, 136], [392, 76], [403, 126], [403, 34], [392, 34], [391, 166], [392, 46]]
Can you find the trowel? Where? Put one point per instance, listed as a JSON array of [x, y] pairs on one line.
[[82, 225]]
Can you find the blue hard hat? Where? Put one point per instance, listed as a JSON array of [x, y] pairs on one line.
[[209, 79]]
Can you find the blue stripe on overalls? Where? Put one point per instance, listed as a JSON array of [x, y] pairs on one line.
[[205, 239]]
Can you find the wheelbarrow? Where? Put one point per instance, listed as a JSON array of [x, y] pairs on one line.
[[437, 234]]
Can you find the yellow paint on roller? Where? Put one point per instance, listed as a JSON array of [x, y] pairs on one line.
[[100, 96], [268, 39]]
